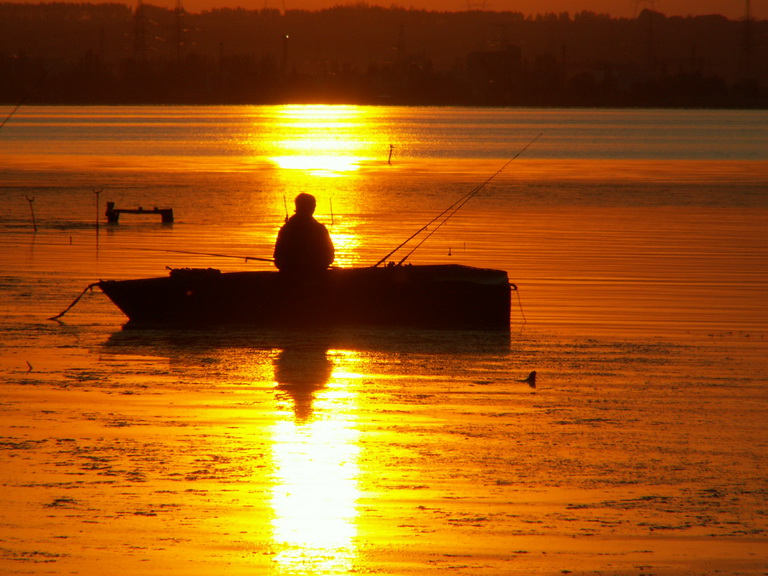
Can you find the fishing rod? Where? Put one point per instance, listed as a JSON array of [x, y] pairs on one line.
[[420, 230], [246, 258], [453, 208], [22, 101], [466, 199]]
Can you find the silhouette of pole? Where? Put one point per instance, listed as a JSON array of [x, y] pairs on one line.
[[179, 13], [139, 33], [97, 192], [32, 209], [747, 44], [284, 63]]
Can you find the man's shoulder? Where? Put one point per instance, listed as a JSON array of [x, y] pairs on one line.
[[294, 223]]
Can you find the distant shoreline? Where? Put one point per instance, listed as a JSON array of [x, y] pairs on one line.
[[112, 54]]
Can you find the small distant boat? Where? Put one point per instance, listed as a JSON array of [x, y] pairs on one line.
[[446, 296]]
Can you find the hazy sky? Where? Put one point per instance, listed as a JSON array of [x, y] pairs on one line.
[[618, 8]]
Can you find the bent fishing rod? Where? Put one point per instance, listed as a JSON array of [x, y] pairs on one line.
[[453, 208]]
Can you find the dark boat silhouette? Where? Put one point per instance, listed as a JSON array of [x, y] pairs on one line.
[[446, 296]]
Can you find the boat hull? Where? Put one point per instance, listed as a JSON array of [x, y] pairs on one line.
[[442, 296]]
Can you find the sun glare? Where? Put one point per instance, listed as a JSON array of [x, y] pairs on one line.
[[322, 140], [321, 149]]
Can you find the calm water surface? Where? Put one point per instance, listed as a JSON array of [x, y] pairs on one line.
[[637, 240]]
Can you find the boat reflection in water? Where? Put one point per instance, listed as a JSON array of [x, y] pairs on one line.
[[283, 414], [315, 455]]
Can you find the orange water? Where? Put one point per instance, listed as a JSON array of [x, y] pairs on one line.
[[637, 241]]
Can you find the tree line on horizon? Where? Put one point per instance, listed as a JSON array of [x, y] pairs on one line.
[[61, 53]]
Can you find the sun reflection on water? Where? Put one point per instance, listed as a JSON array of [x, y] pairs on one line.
[[315, 454], [321, 149], [329, 141]]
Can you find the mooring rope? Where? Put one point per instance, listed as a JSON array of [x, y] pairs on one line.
[[75, 301], [514, 288]]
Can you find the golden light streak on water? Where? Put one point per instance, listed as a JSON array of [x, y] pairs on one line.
[[311, 144], [316, 149], [319, 165], [327, 141], [347, 243], [315, 452]]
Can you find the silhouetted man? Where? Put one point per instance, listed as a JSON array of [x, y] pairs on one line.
[[303, 245]]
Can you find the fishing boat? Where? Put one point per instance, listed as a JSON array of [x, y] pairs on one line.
[[440, 296], [448, 296]]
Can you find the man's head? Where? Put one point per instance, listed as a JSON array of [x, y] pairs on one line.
[[305, 204]]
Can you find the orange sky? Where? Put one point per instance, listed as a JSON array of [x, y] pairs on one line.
[[734, 9]]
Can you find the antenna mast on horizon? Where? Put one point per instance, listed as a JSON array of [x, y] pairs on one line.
[[747, 43], [179, 13], [652, 61], [139, 33]]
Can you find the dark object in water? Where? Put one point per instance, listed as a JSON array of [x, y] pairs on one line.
[[113, 214], [439, 296], [531, 380]]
